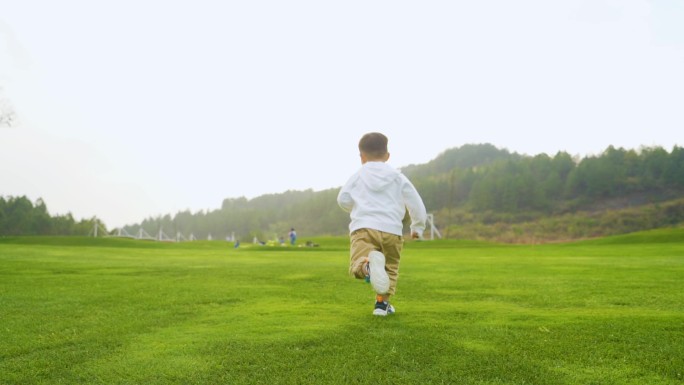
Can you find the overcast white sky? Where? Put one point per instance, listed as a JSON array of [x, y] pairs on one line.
[[135, 108]]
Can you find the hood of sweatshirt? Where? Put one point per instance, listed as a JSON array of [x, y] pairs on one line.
[[378, 175]]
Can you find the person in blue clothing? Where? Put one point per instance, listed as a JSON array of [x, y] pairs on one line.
[[293, 236]]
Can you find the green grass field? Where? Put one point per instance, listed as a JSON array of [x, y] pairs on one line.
[[115, 311]]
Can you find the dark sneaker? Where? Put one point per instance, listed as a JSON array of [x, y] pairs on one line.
[[383, 309], [378, 276]]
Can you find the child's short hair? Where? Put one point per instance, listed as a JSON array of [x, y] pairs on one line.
[[373, 144]]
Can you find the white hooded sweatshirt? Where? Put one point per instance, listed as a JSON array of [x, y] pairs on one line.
[[377, 197]]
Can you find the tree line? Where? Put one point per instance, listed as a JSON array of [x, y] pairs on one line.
[[476, 183], [20, 216], [266, 217], [484, 178], [483, 181]]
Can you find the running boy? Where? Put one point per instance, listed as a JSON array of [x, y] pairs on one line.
[[377, 197]]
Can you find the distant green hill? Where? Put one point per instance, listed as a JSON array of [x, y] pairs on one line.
[[475, 191], [478, 191]]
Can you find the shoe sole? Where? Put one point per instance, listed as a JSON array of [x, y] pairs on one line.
[[378, 276]]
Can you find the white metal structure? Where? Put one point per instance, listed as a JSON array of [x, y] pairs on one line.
[[142, 234], [97, 227], [433, 228], [162, 237]]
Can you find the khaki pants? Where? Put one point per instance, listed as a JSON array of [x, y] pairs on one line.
[[363, 241]]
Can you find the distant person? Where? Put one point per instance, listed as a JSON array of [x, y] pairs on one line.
[[377, 197], [237, 244], [293, 236]]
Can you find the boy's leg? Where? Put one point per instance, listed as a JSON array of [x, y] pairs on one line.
[[361, 245], [391, 247], [367, 261]]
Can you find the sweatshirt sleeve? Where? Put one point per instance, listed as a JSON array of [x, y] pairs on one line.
[[344, 198], [416, 207]]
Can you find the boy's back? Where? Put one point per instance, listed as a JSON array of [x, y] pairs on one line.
[[377, 197]]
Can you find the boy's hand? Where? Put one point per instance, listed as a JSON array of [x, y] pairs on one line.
[[415, 235]]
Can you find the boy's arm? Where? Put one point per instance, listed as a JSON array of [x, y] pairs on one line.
[[416, 209], [344, 198]]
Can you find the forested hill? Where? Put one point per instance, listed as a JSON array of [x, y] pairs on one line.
[[480, 191], [484, 178], [476, 191]]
